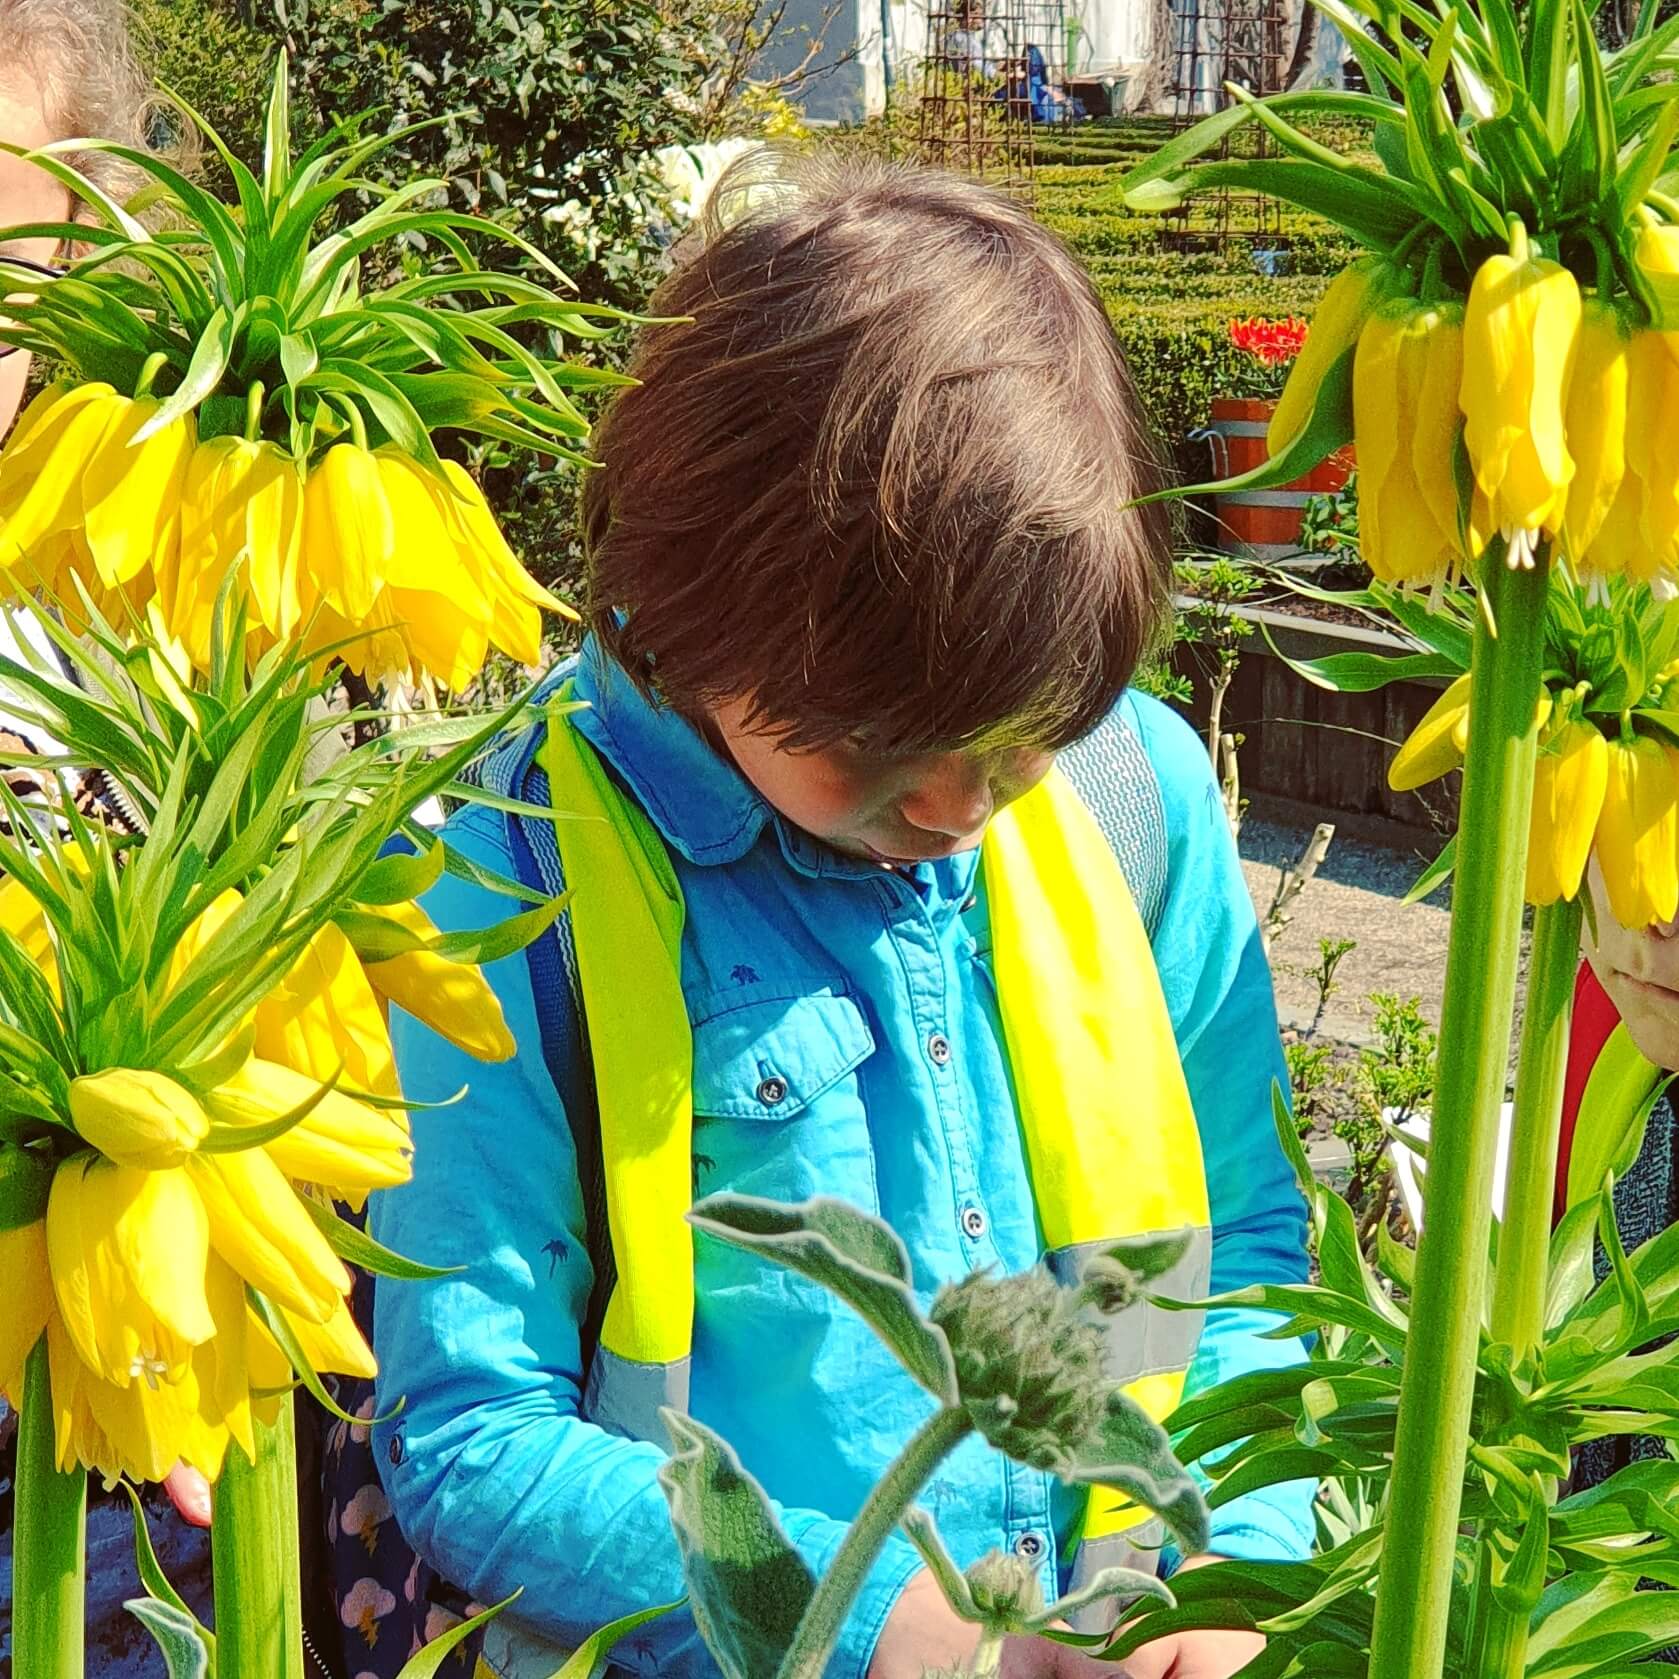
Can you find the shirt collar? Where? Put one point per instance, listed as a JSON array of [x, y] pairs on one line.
[[704, 807]]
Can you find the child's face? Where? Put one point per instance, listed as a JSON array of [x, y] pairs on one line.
[[1640, 971], [889, 809]]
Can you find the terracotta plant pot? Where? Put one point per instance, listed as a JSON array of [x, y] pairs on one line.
[[1264, 523]]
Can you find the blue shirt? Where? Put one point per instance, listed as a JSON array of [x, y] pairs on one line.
[[817, 986]]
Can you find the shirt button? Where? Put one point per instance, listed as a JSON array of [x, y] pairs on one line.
[[772, 1092], [973, 1222], [938, 1047], [1029, 1547]]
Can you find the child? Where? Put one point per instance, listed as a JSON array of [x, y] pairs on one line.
[[863, 561]]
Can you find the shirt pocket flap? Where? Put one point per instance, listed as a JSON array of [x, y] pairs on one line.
[[769, 1059]]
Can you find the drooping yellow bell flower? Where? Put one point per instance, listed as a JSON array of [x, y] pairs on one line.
[[452, 998], [242, 501], [1437, 745], [1353, 296], [1434, 747], [131, 493], [258, 1225], [1569, 779], [29, 1300], [348, 532], [1520, 333], [1652, 422], [437, 601], [128, 1250], [1405, 381], [42, 463], [324, 1019], [517, 600], [1657, 255], [137, 1117], [1638, 832], [340, 1142], [1596, 425]]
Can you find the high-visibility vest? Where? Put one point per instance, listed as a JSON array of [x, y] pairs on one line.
[[1110, 1136]]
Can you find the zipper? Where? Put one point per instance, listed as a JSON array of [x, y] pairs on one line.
[[314, 1656]]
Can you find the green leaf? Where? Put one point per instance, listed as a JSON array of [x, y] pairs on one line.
[[1362, 673], [1376, 210], [491, 944], [1132, 1453], [156, 1581], [747, 1585], [25, 1182], [400, 877], [1328, 429], [276, 1323], [356, 1247], [1435, 875], [589, 1659], [1148, 1258], [1519, 1582], [424, 1663], [178, 1635], [1288, 1134], [204, 372], [850, 1253], [1571, 1278]]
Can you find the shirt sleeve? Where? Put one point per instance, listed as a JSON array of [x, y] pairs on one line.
[[493, 1474], [1217, 982]]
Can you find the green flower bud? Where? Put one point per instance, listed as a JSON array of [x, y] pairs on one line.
[[1006, 1591], [1028, 1364]]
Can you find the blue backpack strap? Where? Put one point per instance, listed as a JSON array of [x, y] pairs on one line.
[[1111, 772]]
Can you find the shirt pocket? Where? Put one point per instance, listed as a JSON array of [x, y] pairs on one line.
[[778, 1100]]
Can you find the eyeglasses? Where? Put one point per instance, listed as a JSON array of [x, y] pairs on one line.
[[47, 271]]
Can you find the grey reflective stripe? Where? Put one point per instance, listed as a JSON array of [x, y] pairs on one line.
[[1144, 1339], [625, 1397], [1138, 1548], [512, 1651]]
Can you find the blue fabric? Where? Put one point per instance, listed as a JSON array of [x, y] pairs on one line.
[[829, 976]]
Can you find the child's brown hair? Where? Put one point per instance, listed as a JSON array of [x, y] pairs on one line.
[[879, 481]]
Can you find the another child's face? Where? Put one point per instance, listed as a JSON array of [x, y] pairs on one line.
[[1640, 971], [888, 809]]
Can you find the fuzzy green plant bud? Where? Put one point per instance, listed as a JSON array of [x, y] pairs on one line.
[[1006, 1591], [1028, 1364]]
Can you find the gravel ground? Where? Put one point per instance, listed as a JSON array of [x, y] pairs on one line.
[[1358, 893]]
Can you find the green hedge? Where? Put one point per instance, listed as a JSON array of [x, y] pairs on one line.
[[1170, 291]]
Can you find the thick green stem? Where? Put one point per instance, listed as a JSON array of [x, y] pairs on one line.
[[1498, 1638], [1524, 1243], [49, 1556], [824, 1615], [1431, 1441], [259, 1601]]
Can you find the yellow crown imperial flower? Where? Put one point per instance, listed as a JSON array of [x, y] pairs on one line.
[[452, 998], [137, 1117], [1638, 832], [340, 1143], [1520, 332], [1596, 426], [1433, 748], [77, 467], [258, 1225], [1353, 296], [1405, 384], [348, 532], [128, 1250], [1652, 423], [1437, 744], [1570, 777], [1657, 256], [241, 501]]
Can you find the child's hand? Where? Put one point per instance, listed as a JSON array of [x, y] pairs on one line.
[[1190, 1655]]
